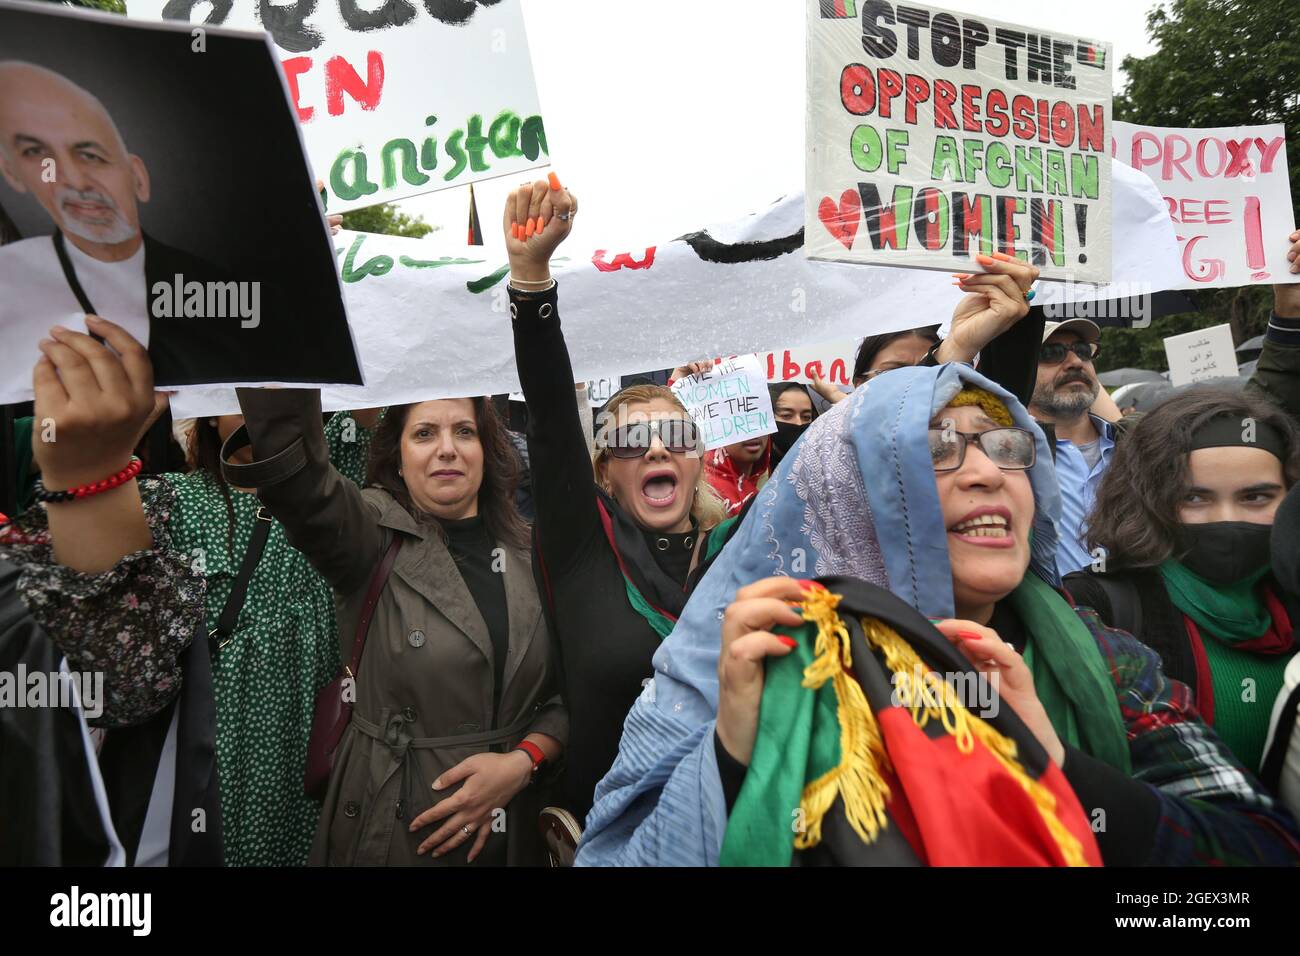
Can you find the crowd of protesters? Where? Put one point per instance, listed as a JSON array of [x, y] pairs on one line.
[[417, 635]]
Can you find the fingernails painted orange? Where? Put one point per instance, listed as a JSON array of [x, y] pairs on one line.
[[554, 180]]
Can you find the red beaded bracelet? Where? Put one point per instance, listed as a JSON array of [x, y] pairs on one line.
[[95, 487]]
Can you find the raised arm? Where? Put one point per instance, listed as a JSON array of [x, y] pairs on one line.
[[1277, 374], [323, 513], [98, 573], [993, 320], [564, 489]]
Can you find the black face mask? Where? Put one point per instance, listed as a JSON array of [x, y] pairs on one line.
[[1225, 551], [787, 433]]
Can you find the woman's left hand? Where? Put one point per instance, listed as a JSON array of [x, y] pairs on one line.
[[994, 302], [491, 782], [537, 218], [1009, 675]]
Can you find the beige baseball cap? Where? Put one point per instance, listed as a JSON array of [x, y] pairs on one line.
[[1086, 329]]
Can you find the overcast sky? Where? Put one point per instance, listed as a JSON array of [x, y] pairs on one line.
[[669, 115]]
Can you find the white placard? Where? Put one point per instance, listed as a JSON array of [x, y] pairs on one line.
[[729, 402], [1200, 355], [1229, 196], [934, 136], [395, 101]]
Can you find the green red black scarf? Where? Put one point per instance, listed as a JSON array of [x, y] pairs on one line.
[[859, 742]]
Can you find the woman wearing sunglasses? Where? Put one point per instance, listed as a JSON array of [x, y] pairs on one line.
[[615, 538], [932, 483]]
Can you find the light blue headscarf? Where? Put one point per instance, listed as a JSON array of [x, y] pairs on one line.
[[855, 496]]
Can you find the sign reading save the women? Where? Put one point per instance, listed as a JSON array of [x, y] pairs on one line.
[[934, 136], [730, 402], [399, 100]]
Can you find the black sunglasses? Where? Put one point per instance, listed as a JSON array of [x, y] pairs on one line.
[[1054, 352], [1011, 449], [679, 436]]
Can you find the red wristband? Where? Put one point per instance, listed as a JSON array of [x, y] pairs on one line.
[[534, 752]]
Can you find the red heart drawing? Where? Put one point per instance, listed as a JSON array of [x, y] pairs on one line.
[[841, 222]]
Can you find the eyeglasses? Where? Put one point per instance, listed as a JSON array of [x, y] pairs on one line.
[[1011, 449], [678, 436], [1054, 352]]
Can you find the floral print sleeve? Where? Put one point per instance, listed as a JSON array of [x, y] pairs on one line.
[[349, 446], [129, 623]]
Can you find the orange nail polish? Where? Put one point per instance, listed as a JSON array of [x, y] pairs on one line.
[[1004, 257], [514, 229], [984, 260], [787, 641], [961, 275], [539, 226], [554, 180], [531, 228]]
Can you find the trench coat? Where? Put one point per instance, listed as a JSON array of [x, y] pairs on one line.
[[424, 688]]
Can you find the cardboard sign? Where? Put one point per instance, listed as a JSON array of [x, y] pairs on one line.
[[430, 317], [934, 136], [399, 98], [126, 199], [729, 402], [1201, 355], [833, 362], [1229, 196]]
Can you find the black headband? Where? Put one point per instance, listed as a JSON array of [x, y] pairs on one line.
[[1229, 431]]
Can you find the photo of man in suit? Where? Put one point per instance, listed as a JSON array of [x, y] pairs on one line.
[[59, 144]]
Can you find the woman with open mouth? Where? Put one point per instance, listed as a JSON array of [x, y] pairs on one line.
[[615, 538], [934, 485]]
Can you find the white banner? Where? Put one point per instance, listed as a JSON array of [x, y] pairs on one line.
[[394, 101], [934, 136], [433, 322], [1228, 193], [832, 361]]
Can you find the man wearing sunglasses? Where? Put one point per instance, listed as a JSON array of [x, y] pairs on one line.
[[1064, 393]]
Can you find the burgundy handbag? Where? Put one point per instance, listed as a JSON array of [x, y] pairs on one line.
[[334, 701]]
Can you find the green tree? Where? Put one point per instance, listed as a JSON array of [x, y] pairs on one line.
[[385, 218], [1218, 63]]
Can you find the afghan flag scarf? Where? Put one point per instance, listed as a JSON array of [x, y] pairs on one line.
[[892, 749], [652, 593]]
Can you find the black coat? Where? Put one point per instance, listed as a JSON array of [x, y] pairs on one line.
[[50, 816], [605, 644]]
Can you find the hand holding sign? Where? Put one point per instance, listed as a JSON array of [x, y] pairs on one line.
[[1286, 296], [995, 300], [537, 218]]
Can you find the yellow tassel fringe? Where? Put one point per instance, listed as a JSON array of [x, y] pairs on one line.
[[858, 777]]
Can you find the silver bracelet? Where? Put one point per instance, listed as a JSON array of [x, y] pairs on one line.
[[532, 285]]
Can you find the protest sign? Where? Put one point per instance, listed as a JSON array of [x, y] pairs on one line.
[[126, 200], [729, 402], [432, 320], [1201, 355], [1228, 193], [395, 101], [933, 136], [832, 361]]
